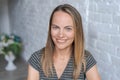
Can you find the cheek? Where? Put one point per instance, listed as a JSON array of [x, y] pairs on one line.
[[53, 34], [71, 35]]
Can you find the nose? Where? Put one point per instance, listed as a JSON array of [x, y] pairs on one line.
[[61, 33]]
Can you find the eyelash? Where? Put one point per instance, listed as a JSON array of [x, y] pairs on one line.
[[68, 28], [55, 27]]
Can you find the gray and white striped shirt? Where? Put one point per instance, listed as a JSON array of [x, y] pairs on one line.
[[34, 61]]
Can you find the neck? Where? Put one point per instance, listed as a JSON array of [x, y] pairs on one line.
[[63, 53]]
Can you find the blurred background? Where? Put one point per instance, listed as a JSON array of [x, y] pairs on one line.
[[29, 19]]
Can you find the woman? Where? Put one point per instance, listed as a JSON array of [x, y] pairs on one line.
[[64, 56]]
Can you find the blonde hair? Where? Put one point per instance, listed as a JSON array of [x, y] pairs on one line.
[[78, 44]]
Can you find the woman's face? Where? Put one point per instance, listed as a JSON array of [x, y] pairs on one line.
[[62, 30]]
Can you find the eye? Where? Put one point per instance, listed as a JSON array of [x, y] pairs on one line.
[[55, 27], [68, 28]]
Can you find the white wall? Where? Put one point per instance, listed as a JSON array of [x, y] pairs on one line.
[[4, 17], [104, 36]]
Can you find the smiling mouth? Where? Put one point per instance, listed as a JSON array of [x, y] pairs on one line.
[[60, 41]]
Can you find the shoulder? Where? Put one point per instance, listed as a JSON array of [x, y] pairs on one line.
[[38, 53], [90, 60], [34, 59], [36, 56], [87, 53]]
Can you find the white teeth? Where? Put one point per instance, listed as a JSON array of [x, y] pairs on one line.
[[61, 41]]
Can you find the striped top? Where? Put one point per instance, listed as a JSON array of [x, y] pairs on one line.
[[34, 61]]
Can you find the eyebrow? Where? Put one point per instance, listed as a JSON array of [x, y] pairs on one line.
[[65, 26], [54, 25], [69, 26]]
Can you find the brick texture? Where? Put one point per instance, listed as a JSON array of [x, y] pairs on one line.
[[103, 28]]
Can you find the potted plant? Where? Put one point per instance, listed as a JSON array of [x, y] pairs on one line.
[[11, 47]]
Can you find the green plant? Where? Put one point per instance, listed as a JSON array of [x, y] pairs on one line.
[[10, 43]]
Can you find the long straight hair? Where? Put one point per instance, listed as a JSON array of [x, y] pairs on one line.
[[78, 44]]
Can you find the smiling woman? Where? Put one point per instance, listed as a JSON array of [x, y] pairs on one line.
[[64, 56]]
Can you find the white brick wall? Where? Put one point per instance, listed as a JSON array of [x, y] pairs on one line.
[[104, 36], [101, 19]]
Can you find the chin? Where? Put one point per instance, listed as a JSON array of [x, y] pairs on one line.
[[61, 47]]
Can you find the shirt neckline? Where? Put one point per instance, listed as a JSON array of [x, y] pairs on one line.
[[64, 69]]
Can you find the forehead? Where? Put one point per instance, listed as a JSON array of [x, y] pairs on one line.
[[62, 18]]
